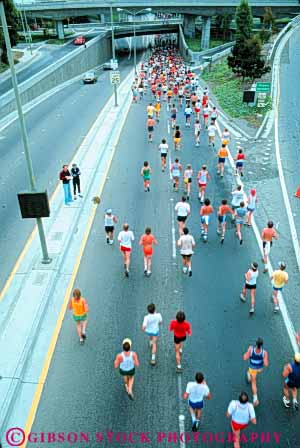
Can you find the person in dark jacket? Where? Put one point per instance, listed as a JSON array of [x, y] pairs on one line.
[[65, 177]]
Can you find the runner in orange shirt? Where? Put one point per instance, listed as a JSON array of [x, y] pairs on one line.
[[147, 239], [205, 212], [80, 310], [224, 209], [267, 235], [223, 155]]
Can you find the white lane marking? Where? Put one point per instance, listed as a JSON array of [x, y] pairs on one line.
[[181, 417], [284, 312], [173, 229]]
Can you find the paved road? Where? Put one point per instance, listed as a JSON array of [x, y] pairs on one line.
[[49, 55], [83, 393], [56, 128]]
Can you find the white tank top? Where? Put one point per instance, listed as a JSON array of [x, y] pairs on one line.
[[108, 220], [127, 364], [202, 177], [253, 278], [252, 201]]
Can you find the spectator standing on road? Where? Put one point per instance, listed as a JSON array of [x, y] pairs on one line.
[[80, 310], [75, 172], [195, 392], [180, 327], [127, 361], [125, 239], [241, 413], [279, 279], [291, 373], [65, 177], [258, 359]]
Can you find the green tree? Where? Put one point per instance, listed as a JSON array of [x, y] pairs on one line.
[[12, 22], [268, 19], [244, 21]]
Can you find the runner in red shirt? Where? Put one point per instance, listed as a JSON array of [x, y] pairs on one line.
[[147, 239], [180, 328]]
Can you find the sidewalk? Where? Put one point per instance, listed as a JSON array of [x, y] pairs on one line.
[[38, 294], [24, 62]]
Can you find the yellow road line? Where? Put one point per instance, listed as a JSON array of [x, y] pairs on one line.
[[50, 352]]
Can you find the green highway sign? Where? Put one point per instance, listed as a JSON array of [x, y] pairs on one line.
[[263, 87]]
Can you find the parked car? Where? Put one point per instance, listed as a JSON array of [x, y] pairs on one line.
[[89, 78], [80, 40]]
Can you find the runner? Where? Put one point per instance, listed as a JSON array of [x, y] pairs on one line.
[[127, 361], [125, 239], [241, 413], [157, 111], [176, 169], [80, 311], [258, 359], [205, 112], [211, 134], [183, 210], [240, 157], [180, 95], [225, 139], [197, 109], [151, 324], [173, 116], [267, 235], [135, 93], [150, 127], [180, 328], [202, 177], [187, 179], [109, 221], [147, 239], [222, 212], [188, 112], [195, 392], [237, 197], [252, 201], [205, 212], [145, 173], [177, 138], [150, 110], [250, 284], [197, 127], [214, 115], [186, 243], [141, 90], [223, 155], [164, 148], [279, 279], [240, 214], [169, 95], [291, 373]]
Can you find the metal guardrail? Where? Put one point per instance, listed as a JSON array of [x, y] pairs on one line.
[[162, 3]]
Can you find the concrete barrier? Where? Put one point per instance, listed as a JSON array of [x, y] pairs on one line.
[[96, 52]]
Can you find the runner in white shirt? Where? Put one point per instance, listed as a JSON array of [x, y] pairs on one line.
[[241, 413], [237, 198], [109, 225], [183, 210], [125, 239], [188, 112], [150, 326], [186, 243], [197, 127], [195, 392], [164, 148], [198, 109], [187, 179], [211, 130]]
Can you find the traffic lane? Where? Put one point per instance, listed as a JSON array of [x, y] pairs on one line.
[[222, 327], [49, 56], [117, 307], [56, 127], [288, 123]]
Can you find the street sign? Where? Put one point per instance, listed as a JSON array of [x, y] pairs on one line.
[[263, 87], [115, 77], [248, 96], [261, 99], [114, 64]]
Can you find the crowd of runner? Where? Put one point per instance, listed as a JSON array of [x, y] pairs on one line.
[[165, 81]]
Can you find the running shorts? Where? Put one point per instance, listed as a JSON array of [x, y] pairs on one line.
[[125, 249], [225, 141], [222, 219], [181, 218], [196, 405], [239, 164], [290, 384], [238, 426], [150, 128], [127, 372], [178, 340], [79, 318], [254, 372], [148, 250], [109, 229], [186, 256], [163, 155], [197, 110], [221, 159], [277, 289], [205, 219], [201, 185], [247, 286], [152, 334], [177, 140]]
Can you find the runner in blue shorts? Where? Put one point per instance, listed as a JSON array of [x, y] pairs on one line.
[[150, 326], [195, 392]]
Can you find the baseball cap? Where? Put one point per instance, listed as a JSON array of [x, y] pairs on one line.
[[127, 340], [297, 357], [109, 211]]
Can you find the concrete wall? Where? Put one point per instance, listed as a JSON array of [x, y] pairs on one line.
[[97, 51], [183, 48]]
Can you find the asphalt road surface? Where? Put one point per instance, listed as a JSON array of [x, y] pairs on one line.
[[56, 128], [84, 393]]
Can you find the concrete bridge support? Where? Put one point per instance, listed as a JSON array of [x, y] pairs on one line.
[[189, 26], [59, 29], [205, 38]]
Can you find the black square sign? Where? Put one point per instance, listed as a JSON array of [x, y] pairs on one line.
[[34, 204]]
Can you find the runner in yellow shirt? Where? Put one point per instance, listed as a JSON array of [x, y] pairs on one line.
[[279, 279]]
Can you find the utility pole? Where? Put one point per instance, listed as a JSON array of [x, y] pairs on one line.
[[32, 182], [113, 50]]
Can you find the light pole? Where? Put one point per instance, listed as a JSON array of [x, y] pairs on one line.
[[45, 258], [113, 48], [134, 14]]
